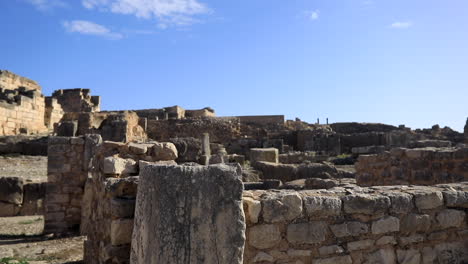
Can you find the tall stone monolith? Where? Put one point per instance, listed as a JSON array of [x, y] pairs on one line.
[[188, 214]]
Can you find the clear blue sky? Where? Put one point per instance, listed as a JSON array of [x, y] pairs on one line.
[[396, 62]]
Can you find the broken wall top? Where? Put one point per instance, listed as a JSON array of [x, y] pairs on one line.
[[11, 81]]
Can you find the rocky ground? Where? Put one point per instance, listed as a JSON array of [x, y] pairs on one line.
[[30, 168], [21, 242]]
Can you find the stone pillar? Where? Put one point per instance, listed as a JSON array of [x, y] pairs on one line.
[[66, 177], [466, 131], [189, 214], [206, 149]]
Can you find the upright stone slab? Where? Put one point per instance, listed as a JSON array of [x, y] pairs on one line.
[[466, 131], [189, 214]]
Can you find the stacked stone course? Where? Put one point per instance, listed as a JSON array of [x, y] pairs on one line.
[[110, 193], [424, 166], [398, 224], [19, 198], [66, 177]]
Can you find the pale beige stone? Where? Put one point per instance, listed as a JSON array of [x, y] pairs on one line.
[[411, 256], [264, 236], [307, 233], [284, 206], [360, 245], [428, 200], [330, 250], [263, 257], [264, 154], [334, 260], [450, 218], [386, 225], [253, 209]]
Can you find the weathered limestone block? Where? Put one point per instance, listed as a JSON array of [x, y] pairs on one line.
[[264, 236], [121, 231], [386, 240], [264, 154], [365, 204], [253, 208], [115, 165], [33, 198], [415, 223], [282, 206], [189, 214], [454, 252], [8, 209], [307, 233], [122, 208], [298, 253], [11, 190], [386, 225], [330, 250], [335, 260], [263, 257], [450, 218], [360, 245], [322, 206], [349, 229], [138, 149], [456, 198], [428, 200], [401, 202], [164, 151], [411, 256], [381, 256], [416, 238]]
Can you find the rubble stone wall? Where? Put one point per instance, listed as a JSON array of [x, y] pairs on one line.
[[19, 198], [77, 100], [220, 129], [110, 193], [397, 224], [66, 177], [425, 166], [120, 126], [53, 112], [11, 81], [24, 115]]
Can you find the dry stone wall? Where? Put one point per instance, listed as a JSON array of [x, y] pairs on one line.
[[220, 129], [121, 126], [77, 100], [66, 177], [424, 166], [110, 193], [11, 81], [23, 114], [19, 198], [349, 225]]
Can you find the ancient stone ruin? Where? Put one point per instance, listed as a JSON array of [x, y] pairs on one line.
[[170, 185]]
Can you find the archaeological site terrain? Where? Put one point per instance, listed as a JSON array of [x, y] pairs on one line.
[[172, 185]]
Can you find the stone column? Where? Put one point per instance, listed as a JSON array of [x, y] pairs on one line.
[[189, 214], [206, 149]]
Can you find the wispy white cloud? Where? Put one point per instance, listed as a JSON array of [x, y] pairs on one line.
[[312, 14], [168, 12], [90, 28], [45, 5], [401, 24]]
